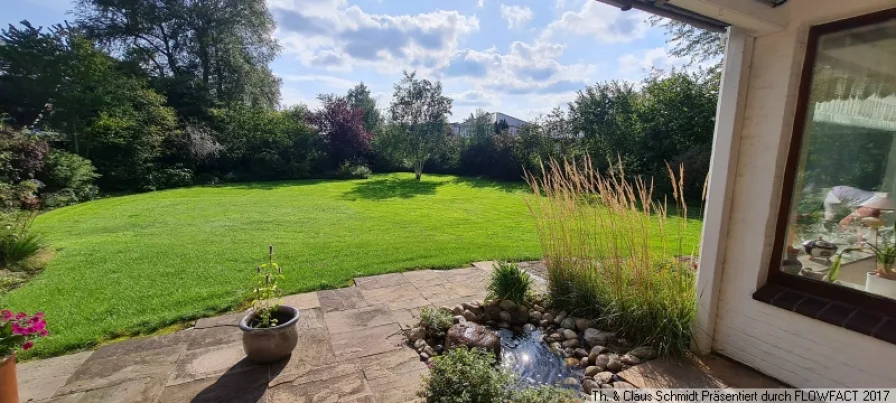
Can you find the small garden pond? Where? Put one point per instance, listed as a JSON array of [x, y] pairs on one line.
[[529, 356]]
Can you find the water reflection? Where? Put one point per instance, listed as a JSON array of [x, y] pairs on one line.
[[528, 355]]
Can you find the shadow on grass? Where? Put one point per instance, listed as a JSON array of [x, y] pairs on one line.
[[506, 186], [269, 185], [391, 188]]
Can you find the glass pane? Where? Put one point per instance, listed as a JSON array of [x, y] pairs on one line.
[[842, 206]]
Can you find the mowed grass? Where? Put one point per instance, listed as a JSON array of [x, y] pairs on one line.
[[134, 264]]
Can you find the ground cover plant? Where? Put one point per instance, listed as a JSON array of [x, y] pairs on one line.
[[615, 253], [510, 282]]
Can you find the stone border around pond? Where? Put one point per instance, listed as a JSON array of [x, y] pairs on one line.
[[599, 352]]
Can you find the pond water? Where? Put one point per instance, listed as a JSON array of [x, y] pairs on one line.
[[529, 356]]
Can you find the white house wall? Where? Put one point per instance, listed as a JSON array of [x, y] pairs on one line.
[[795, 349]]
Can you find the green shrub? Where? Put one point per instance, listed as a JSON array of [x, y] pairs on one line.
[[351, 171], [466, 376], [68, 179], [17, 242], [545, 394], [170, 178], [508, 281], [615, 254], [435, 321]]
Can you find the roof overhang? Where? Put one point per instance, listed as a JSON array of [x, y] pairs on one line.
[[758, 17]]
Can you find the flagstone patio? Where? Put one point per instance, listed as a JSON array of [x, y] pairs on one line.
[[350, 350]]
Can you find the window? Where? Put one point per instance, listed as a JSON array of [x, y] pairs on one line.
[[840, 183]]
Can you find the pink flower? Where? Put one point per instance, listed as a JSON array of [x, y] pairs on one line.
[[44, 333], [18, 330], [27, 345], [39, 314], [21, 315], [5, 314]]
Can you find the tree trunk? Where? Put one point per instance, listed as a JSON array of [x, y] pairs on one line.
[[418, 170]]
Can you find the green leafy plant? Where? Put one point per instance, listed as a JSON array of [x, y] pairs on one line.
[[17, 242], [435, 321], [545, 394], [508, 281], [267, 293], [615, 253], [467, 376], [884, 253]]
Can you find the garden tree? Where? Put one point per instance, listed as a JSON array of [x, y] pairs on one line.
[[419, 114], [359, 97], [606, 116], [225, 46], [30, 70], [341, 126], [697, 44], [478, 148]]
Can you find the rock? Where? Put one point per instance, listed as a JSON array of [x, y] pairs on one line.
[[571, 343], [503, 325], [571, 362], [457, 310], [629, 359], [460, 319], [556, 346], [439, 348], [504, 316], [507, 305], [538, 308], [583, 324], [568, 351], [592, 371], [419, 344], [472, 335], [580, 353], [548, 317], [416, 333], [535, 315], [584, 362], [428, 351], [595, 337], [606, 386], [622, 385], [558, 319], [424, 356], [544, 323], [601, 361], [568, 323], [614, 364], [570, 382], [603, 377], [492, 310], [528, 328], [556, 336], [469, 316], [620, 345], [430, 361], [588, 385], [568, 334], [644, 353], [519, 317], [471, 306], [596, 351]]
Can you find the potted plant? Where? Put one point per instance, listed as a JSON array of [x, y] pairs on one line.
[[16, 331], [881, 281], [269, 329]]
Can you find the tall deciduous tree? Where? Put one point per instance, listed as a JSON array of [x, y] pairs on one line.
[[225, 45], [342, 128], [419, 113], [359, 97], [696, 44]]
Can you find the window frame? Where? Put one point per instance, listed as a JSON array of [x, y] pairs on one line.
[[842, 294]]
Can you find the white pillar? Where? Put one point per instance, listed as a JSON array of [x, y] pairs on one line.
[[722, 167]]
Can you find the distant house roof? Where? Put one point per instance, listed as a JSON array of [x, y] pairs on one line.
[[664, 9]]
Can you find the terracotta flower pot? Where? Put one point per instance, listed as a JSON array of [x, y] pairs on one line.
[[9, 387], [267, 345]]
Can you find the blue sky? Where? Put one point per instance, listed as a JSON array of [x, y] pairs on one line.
[[519, 57]]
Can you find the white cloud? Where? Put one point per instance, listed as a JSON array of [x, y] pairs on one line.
[[635, 66], [335, 36], [560, 4], [329, 81], [603, 22], [481, 3], [516, 16]]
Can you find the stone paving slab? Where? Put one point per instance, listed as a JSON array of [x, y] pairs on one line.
[[341, 299], [350, 349], [39, 380]]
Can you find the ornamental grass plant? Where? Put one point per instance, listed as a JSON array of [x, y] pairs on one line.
[[615, 251]]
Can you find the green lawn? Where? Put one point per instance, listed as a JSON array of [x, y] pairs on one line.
[[133, 264]]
